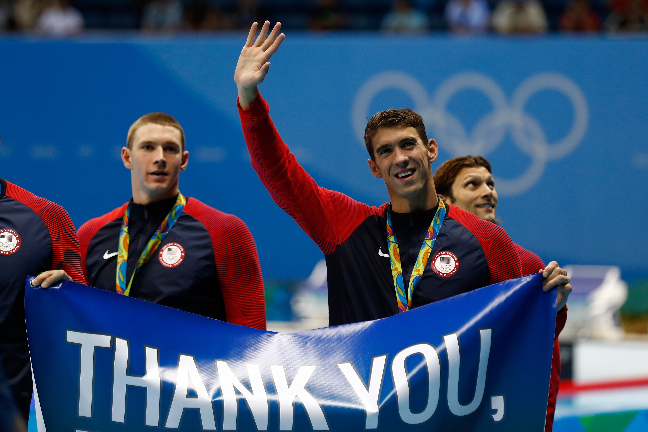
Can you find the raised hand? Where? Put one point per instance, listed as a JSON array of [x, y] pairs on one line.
[[253, 64]]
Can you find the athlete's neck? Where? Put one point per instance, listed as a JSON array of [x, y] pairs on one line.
[[141, 197], [425, 200]]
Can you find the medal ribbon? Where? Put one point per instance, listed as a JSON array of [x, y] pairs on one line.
[[151, 246], [405, 302]]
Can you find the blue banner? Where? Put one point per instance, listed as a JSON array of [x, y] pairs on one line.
[[475, 362]]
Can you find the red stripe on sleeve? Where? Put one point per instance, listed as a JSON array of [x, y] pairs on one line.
[[328, 217], [531, 263], [65, 244], [237, 263]]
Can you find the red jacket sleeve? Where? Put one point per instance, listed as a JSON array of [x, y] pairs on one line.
[[65, 244], [501, 255], [237, 263], [531, 263], [85, 234], [328, 217]]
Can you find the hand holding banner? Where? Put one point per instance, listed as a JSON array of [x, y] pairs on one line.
[[475, 362]]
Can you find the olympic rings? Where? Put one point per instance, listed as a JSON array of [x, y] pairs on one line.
[[491, 130]]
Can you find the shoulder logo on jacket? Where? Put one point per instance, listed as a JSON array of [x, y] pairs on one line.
[[172, 254], [445, 264], [9, 241]]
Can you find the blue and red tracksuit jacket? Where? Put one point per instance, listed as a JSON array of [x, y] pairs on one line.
[[35, 235], [215, 272], [353, 236]]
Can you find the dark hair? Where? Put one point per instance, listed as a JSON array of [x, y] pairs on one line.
[[157, 118], [446, 174], [393, 118]]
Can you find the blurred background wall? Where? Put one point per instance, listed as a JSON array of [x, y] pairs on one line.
[[563, 120]]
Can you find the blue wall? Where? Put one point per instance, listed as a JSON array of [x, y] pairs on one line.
[[564, 122]]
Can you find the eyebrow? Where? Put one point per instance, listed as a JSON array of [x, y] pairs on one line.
[[473, 176], [404, 140], [164, 143], [409, 138]]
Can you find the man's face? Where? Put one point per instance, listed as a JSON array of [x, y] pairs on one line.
[[155, 161], [474, 191], [403, 160]]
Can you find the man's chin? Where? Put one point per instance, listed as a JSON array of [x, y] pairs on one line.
[[163, 182], [488, 216], [158, 190]]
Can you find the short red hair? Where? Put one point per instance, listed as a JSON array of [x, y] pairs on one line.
[[157, 118]]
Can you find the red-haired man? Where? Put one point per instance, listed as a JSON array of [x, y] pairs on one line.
[[170, 249]]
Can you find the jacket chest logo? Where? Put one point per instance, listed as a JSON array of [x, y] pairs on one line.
[[445, 264], [171, 255], [9, 241]]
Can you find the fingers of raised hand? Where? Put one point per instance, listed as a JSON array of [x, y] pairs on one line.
[[272, 41], [275, 45], [251, 34], [253, 64], [272, 38], [262, 35]]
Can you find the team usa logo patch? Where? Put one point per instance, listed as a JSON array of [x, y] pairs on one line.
[[9, 241], [172, 254], [445, 264]]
